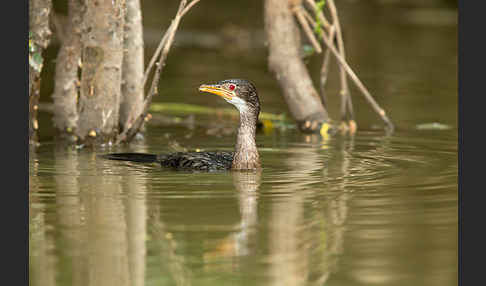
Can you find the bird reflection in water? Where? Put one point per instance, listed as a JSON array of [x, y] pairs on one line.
[[241, 243]]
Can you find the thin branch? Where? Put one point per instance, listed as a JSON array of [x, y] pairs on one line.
[[154, 57], [325, 67], [188, 7], [335, 29], [358, 82], [162, 43], [305, 25], [346, 97], [309, 18], [325, 64], [321, 16], [164, 47]]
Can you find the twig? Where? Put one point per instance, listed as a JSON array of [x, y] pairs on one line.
[[358, 82], [188, 7], [335, 29], [325, 67], [344, 65], [321, 16], [325, 64], [345, 96], [154, 57], [310, 35], [162, 43], [309, 18], [163, 49], [326, 59]]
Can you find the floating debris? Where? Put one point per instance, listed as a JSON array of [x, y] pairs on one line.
[[432, 126], [182, 108]]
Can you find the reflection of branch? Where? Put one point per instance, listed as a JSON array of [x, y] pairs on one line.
[[69, 214], [294, 239], [163, 50], [330, 217], [180, 273], [42, 268], [41, 265], [323, 231], [135, 186], [338, 206]]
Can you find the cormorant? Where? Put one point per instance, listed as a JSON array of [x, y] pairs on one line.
[[243, 95]]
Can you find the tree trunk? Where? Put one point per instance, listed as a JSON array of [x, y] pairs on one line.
[[133, 65], [34, 93], [102, 55], [285, 62], [65, 94], [39, 37]]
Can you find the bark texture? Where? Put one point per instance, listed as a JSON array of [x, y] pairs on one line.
[[131, 102], [102, 56], [65, 94], [285, 62], [34, 89], [39, 37]]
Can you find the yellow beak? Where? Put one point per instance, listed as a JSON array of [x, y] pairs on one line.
[[216, 89]]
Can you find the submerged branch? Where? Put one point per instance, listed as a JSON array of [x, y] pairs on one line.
[[184, 108]]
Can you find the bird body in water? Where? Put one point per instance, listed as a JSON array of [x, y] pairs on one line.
[[243, 95]]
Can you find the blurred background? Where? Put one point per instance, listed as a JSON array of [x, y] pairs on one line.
[[402, 50]]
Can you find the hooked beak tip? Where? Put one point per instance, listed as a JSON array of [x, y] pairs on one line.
[[202, 87]]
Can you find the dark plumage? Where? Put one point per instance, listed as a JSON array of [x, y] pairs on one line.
[[243, 95], [207, 161], [204, 161]]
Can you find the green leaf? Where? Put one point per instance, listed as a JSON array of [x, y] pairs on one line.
[[36, 61], [318, 27]]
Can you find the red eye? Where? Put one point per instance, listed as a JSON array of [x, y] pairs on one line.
[[231, 86]]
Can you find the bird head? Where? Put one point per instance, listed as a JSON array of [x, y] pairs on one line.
[[239, 92]]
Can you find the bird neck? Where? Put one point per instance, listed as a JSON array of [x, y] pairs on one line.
[[246, 155]]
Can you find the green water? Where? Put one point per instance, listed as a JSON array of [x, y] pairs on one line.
[[372, 209]]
